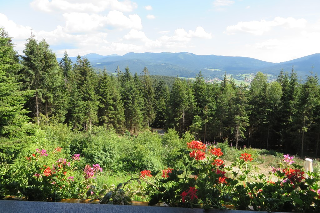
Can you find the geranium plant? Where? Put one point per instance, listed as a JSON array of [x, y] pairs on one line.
[[48, 176]]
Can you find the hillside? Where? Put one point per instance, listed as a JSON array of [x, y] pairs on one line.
[[212, 66]]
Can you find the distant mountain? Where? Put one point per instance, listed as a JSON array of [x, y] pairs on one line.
[[212, 66]]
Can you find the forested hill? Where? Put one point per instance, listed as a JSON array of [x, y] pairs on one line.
[[188, 65]]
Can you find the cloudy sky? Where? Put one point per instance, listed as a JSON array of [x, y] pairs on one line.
[[269, 30]]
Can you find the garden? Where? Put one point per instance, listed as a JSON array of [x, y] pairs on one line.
[[57, 165]]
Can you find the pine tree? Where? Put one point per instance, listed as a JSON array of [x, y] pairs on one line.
[[223, 121], [84, 100], [132, 101], [307, 105], [239, 116], [273, 103], [161, 99], [288, 109], [148, 97], [42, 75], [258, 111], [204, 106], [180, 106], [111, 111], [12, 98]]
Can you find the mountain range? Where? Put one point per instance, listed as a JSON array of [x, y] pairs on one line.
[[188, 65]]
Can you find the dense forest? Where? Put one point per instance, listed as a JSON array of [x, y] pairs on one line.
[[36, 90]]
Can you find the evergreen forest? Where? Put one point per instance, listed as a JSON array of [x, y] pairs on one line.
[[37, 92]]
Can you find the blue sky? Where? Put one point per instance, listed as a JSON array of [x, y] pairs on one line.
[[269, 30]]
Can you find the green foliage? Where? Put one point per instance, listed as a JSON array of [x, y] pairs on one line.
[[13, 117]]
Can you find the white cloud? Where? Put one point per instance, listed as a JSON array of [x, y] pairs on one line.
[[148, 7], [83, 22], [151, 17], [136, 35], [222, 3], [200, 33], [118, 19], [14, 30], [82, 5], [260, 27]]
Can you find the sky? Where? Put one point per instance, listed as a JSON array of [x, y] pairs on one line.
[[268, 30]]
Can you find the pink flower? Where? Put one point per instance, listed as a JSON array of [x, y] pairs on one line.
[[71, 178], [89, 172], [96, 168], [37, 175], [42, 152], [289, 159], [76, 157]]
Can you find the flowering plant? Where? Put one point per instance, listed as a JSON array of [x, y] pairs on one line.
[[49, 176], [201, 179], [204, 179]]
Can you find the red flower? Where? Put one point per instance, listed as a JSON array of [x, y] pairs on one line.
[[218, 162], [198, 155], [246, 157], [184, 195], [47, 172], [191, 193], [222, 179], [219, 172], [216, 151], [58, 149], [294, 175], [196, 145], [165, 172], [145, 173]]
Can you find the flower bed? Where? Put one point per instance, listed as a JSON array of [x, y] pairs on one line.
[[199, 179]]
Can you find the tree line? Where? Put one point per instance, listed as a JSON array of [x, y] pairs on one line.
[[36, 89]]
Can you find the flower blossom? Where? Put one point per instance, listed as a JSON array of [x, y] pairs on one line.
[[289, 159], [145, 173], [43, 152], [198, 155], [246, 157], [165, 172], [218, 162], [191, 193], [97, 168], [58, 149], [216, 151], [196, 145], [76, 157], [71, 178], [89, 172], [47, 172]]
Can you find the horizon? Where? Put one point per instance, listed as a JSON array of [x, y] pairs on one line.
[[113, 55], [271, 31]]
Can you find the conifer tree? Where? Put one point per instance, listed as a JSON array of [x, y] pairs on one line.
[[223, 121], [111, 111], [132, 101], [258, 111], [161, 100], [42, 75], [239, 116], [148, 97], [307, 104], [12, 98], [181, 106], [84, 100]]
